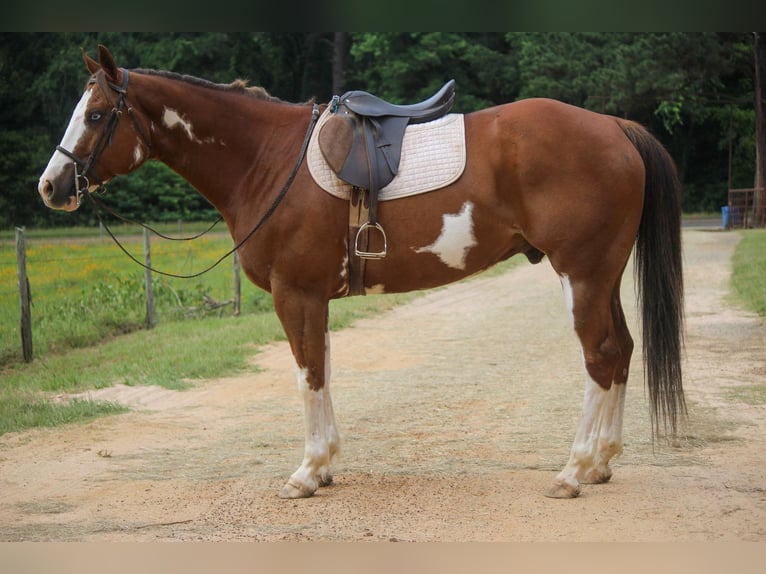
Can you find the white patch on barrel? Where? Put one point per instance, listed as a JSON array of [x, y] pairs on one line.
[[456, 238], [138, 155], [171, 118]]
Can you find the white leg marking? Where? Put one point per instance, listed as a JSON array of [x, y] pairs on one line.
[[72, 136], [599, 433], [456, 238], [583, 454], [171, 118], [566, 285], [333, 437], [610, 437], [322, 439]]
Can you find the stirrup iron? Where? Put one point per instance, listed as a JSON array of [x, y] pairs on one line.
[[370, 254]]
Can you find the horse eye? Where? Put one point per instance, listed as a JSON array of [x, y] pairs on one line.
[[95, 116]]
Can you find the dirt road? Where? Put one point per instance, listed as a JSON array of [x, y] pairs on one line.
[[456, 411]]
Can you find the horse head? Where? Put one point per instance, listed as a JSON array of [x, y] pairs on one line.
[[96, 145]]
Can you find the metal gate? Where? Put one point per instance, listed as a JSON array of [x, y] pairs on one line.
[[743, 213]]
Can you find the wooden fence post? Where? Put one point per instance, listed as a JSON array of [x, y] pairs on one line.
[[148, 281], [237, 285], [24, 295]]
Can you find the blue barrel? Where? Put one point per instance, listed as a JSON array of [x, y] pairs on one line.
[[725, 216]]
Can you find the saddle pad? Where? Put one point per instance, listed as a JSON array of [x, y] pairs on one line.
[[433, 156]]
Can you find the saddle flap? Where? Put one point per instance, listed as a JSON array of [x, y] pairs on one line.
[[362, 152]]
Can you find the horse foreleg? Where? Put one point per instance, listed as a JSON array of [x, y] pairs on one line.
[[306, 328]]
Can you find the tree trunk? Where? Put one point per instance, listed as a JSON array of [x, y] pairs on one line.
[[339, 62], [759, 202]]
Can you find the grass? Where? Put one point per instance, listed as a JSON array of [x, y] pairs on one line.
[[18, 412], [748, 278]]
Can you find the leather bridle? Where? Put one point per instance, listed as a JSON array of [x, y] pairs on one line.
[[87, 172]]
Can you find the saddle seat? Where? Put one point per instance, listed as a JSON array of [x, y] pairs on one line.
[[366, 104]]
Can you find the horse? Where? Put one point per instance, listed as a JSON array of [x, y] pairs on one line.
[[541, 178]]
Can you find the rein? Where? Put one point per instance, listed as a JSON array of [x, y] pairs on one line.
[[99, 207]]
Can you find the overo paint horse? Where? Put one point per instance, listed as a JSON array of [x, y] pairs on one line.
[[541, 178]]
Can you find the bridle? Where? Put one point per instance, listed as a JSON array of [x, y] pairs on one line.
[[105, 138]]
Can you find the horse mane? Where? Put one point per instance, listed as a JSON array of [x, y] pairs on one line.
[[238, 86]]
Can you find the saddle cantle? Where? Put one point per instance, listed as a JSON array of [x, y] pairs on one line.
[[362, 142]]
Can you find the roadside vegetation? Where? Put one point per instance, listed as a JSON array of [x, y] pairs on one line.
[[748, 278]]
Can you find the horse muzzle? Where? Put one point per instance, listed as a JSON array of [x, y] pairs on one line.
[[61, 199]]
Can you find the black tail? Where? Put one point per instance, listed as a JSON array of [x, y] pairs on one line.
[[659, 275]]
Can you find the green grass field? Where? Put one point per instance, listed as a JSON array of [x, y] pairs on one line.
[[85, 290], [748, 278]]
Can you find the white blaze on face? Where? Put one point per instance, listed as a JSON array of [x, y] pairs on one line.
[[171, 118], [72, 136], [456, 238]]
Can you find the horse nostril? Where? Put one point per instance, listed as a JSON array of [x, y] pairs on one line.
[[46, 188]]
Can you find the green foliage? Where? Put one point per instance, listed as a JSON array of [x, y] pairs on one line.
[[409, 67]]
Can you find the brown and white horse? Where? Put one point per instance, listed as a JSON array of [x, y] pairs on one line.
[[541, 178]]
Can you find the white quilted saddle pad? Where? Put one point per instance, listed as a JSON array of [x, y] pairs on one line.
[[433, 156]]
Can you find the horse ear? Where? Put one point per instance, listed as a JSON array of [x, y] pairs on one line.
[[106, 61], [91, 64]]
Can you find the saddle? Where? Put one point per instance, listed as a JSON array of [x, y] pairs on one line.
[[362, 144]]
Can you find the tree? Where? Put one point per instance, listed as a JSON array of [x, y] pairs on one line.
[[406, 67], [759, 67]]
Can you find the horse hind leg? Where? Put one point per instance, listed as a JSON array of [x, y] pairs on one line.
[[610, 435], [607, 348]]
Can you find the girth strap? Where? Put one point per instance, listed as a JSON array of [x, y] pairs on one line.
[[358, 216]]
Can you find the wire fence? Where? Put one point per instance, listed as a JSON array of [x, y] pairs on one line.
[[66, 292]]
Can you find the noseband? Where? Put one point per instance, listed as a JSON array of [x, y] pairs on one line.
[[105, 138]]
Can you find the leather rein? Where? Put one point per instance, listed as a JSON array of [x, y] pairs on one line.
[[105, 139]]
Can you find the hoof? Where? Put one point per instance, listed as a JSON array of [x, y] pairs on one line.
[[598, 476], [292, 490], [325, 480], [562, 489]]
